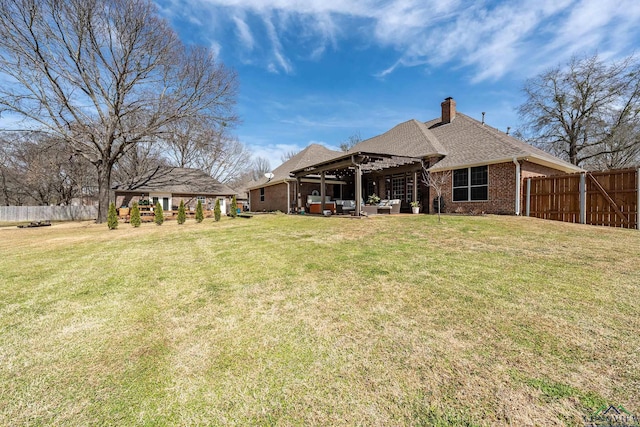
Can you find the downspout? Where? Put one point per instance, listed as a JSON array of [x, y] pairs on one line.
[[515, 161], [288, 198]]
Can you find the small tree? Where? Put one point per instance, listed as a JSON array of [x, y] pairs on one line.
[[216, 210], [234, 207], [112, 220], [135, 215], [158, 214], [182, 214], [351, 142], [199, 212], [436, 181]]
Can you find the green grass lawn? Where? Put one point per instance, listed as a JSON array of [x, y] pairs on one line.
[[285, 320]]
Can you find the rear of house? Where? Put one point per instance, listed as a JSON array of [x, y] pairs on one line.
[[484, 169]]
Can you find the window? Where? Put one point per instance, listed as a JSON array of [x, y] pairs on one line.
[[203, 200], [397, 187], [371, 187], [409, 188], [262, 194], [471, 184]]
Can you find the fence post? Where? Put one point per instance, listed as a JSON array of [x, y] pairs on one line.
[[583, 198], [528, 205]]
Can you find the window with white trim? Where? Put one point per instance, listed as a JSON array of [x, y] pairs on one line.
[[471, 184]]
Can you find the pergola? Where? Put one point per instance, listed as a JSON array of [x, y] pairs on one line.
[[353, 165]]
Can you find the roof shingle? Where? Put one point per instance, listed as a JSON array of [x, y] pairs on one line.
[[469, 142], [409, 139], [313, 154], [177, 181]]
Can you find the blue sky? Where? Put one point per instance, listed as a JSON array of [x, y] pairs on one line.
[[322, 70]]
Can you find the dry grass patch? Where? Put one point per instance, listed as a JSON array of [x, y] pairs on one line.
[[318, 321]]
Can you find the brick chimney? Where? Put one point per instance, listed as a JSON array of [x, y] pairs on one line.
[[448, 110]]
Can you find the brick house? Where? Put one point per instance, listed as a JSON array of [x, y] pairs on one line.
[[170, 185], [487, 167], [279, 193]]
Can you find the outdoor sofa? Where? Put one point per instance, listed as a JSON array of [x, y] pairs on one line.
[[384, 207]]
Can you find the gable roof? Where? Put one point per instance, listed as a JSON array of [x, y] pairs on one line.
[[313, 154], [409, 139], [469, 142], [177, 181]]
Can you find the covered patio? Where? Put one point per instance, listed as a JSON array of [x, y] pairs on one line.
[[388, 176]]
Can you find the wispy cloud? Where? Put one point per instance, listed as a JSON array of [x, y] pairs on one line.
[[280, 60], [490, 38], [244, 32]]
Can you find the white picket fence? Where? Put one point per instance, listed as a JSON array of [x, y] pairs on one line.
[[47, 213]]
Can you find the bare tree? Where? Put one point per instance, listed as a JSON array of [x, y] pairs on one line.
[[224, 158], [11, 190], [437, 181], [137, 160], [187, 139], [288, 155], [38, 169], [350, 142], [260, 167], [103, 75], [197, 143], [587, 113]]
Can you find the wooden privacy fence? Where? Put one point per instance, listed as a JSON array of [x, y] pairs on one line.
[[608, 198], [47, 213]]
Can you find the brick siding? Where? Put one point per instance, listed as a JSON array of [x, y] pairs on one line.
[[275, 196], [502, 189]]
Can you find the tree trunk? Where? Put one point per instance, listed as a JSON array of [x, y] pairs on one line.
[[573, 152], [104, 190]]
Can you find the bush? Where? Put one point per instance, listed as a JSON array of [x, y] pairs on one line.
[[199, 212], [158, 214], [234, 207], [216, 210], [112, 217], [134, 219], [182, 214]]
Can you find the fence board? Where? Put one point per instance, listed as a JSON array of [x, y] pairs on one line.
[[611, 198], [47, 213]]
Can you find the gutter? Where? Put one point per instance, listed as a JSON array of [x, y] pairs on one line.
[[566, 167]]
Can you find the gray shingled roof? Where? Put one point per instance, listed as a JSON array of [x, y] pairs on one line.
[[409, 139], [314, 153], [469, 142], [177, 181]]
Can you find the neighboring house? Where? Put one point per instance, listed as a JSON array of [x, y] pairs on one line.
[[487, 166], [279, 193], [242, 197], [170, 185]]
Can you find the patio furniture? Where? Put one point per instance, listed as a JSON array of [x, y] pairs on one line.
[[345, 206], [389, 207], [385, 207], [370, 209]]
